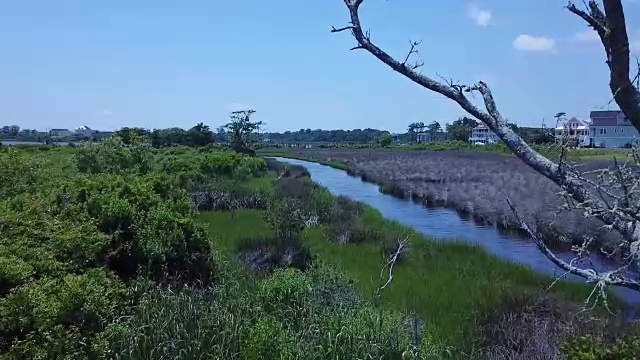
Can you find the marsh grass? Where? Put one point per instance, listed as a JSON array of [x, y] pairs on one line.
[[447, 284]]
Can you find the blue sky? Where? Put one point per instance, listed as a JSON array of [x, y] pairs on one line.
[[162, 63]]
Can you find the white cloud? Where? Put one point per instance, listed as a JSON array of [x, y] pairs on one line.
[[236, 106], [586, 36], [480, 16], [526, 42]]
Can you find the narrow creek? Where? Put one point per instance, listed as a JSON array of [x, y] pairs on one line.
[[443, 224]]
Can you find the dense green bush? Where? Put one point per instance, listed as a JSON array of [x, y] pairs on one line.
[[81, 226], [54, 318]]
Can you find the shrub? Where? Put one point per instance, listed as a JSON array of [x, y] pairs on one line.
[[353, 231], [286, 219], [53, 318], [590, 347], [113, 156], [267, 254], [267, 339], [286, 295]]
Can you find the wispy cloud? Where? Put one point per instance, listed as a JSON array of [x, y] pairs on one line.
[[526, 42], [481, 17]]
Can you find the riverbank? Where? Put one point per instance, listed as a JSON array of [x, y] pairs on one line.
[[475, 184], [453, 288]]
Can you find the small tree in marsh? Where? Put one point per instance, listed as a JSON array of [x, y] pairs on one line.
[[243, 134], [385, 140]]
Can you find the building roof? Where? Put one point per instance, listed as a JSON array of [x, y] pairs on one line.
[[58, 130], [582, 124], [83, 127], [604, 113], [609, 118]]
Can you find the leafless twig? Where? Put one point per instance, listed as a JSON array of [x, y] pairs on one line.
[[391, 260]]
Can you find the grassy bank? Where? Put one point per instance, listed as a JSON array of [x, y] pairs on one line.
[[128, 252], [451, 287]]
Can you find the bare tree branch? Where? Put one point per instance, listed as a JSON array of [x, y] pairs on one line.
[[614, 278], [612, 31]]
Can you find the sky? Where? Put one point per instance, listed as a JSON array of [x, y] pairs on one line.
[[161, 63]]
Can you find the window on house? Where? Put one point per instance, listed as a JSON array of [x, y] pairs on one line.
[[621, 129], [615, 130]]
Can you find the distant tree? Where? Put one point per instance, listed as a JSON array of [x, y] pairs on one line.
[[414, 129], [243, 132], [433, 129], [200, 135], [461, 129], [385, 140], [221, 134], [130, 136]]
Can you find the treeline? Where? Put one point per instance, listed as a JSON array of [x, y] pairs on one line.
[[360, 136], [240, 134]]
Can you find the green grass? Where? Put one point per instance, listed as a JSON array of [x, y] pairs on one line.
[[225, 232], [446, 283]]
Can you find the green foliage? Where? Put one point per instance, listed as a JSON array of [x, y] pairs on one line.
[[18, 174], [81, 226], [132, 136], [198, 136], [242, 131], [53, 318], [385, 140], [286, 219], [114, 155], [590, 347]]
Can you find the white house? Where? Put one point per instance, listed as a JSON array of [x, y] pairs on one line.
[[85, 131], [573, 130], [612, 129], [482, 135]]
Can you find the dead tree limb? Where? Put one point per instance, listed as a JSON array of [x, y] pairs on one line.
[[611, 27], [391, 261]]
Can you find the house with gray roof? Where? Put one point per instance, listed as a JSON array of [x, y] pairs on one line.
[[612, 129]]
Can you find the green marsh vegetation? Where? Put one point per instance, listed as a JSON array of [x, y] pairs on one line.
[[118, 250]]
